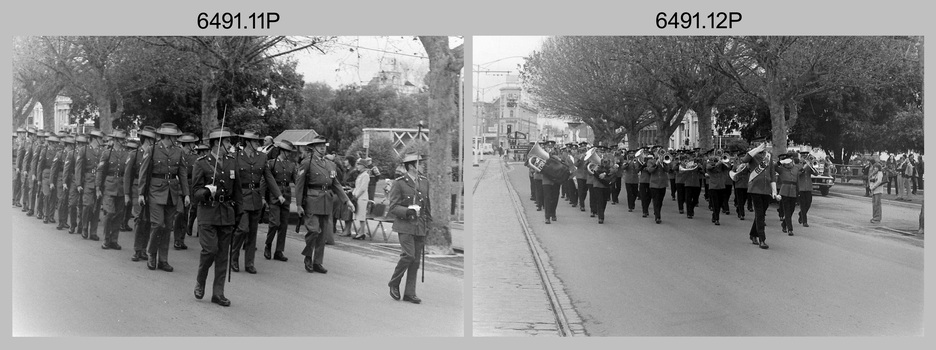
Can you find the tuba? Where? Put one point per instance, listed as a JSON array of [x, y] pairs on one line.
[[592, 160], [667, 158], [536, 158], [733, 174]]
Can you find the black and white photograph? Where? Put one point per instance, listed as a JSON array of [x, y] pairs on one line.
[[175, 186], [697, 186]]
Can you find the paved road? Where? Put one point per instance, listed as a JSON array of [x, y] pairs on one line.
[[66, 286], [840, 276]]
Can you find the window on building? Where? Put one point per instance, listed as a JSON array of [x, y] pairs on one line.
[[511, 113]]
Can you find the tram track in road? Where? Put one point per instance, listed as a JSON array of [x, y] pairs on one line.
[[481, 176], [558, 300]]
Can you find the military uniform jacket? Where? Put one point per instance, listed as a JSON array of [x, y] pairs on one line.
[[657, 174], [34, 156], [164, 175], [223, 208], [110, 172], [21, 156], [680, 176], [55, 169], [44, 167], [316, 185], [253, 178], [743, 178], [132, 169], [279, 174], [580, 171], [643, 176], [693, 177], [760, 183], [189, 157], [68, 167], [804, 179], [86, 167], [631, 171], [404, 193], [718, 175], [786, 180], [74, 179]]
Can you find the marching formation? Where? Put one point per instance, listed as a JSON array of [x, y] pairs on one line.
[[579, 171], [165, 181]]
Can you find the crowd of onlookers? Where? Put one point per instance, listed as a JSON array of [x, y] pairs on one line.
[[902, 172]]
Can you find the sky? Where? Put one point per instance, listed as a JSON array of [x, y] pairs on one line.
[[498, 54], [356, 59]]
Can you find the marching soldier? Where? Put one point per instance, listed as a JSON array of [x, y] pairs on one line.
[[50, 165], [251, 165], [281, 171], [658, 181], [18, 166], [217, 190], [74, 196], [63, 179], [110, 187], [164, 176], [644, 183], [693, 173], [741, 187], [631, 169], [132, 190], [409, 203], [132, 145], [717, 173], [200, 150], [762, 185], [571, 193], [85, 179], [550, 187], [616, 182], [671, 175], [787, 173], [316, 185], [804, 184], [581, 175], [24, 168], [679, 182], [180, 227], [34, 175]]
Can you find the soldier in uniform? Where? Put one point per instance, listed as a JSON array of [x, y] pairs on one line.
[[132, 191], [217, 189], [787, 172], [644, 183], [740, 187], [50, 166], [692, 172], [63, 177], [631, 169], [717, 172], [35, 177], [581, 176], [23, 167], [658, 182], [164, 177], [412, 225], [179, 227], [18, 165], [74, 196], [131, 146], [316, 185], [804, 185], [85, 179], [251, 165], [281, 171], [110, 187], [200, 150], [550, 187], [762, 186]]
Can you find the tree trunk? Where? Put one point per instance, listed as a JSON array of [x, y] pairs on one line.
[[209, 104], [705, 132], [443, 79], [48, 111], [105, 118], [778, 126], [632, 134]]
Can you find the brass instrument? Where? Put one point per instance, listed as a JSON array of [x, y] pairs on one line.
[[667, 158], [537, 157], [592, 160], [733, 174], [640, 157]]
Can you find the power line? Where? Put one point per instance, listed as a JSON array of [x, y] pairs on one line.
[[379, 50]]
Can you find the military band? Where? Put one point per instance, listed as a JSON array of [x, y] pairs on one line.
[[647, 172]]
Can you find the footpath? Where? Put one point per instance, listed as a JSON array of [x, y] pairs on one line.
[[508, 295]]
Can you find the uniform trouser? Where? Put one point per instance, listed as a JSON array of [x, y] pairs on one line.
[[582, 191], [725, 197], [74, 208], [24, 189], [141, 228], [600, 205], [592, 199], [40, 198], [62, 206], [657, 195], [789, 206], [672, 186], [179, 225], [551, 194], [31, 194], [632, 194], [90, 212], [805, 202], [50, 204], [113, 212], [616, 190], [215, 242], [279, 222], [680, 189], [192, 214], [316, 226], [692, 199], [127, 213], [17, 190], [741, 197], [761, 201], [571, 194], [161, 216], [645, 198], [246, 237], [538, 192], [532, 189], [876, 207], [412, 249], [716, 196]]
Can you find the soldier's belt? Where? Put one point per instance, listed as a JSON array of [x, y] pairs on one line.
[[250, 186], [316, 187], [165, 176], [283, 184], [788, 182], [114, 173]]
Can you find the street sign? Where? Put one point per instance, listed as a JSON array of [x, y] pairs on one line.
[[366, 140]]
